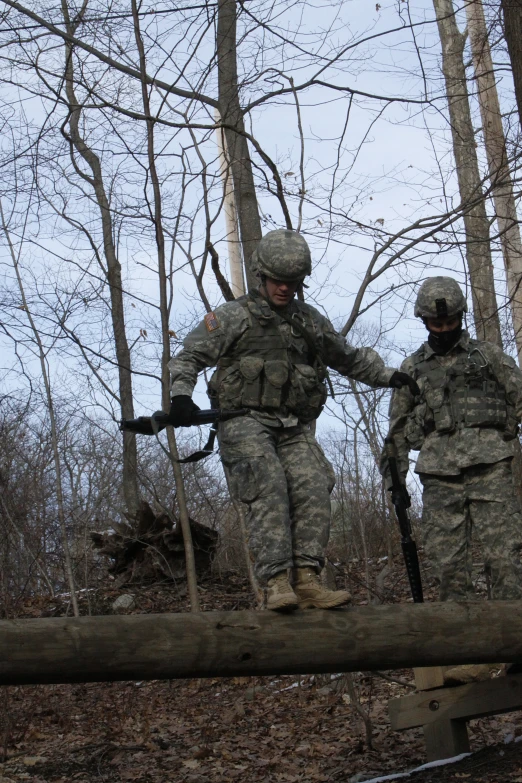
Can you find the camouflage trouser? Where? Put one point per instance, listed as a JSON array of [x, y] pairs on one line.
[[284, 479], [480, 502]]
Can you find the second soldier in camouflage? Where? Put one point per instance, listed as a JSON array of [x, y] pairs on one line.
[[464, 423]]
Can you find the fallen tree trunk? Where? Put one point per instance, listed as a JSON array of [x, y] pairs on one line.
[[224, 644]]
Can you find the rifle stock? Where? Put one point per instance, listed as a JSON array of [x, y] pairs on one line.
[[401, 503], [143, 425]]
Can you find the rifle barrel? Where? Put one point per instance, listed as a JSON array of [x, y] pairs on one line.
[[409, 547]]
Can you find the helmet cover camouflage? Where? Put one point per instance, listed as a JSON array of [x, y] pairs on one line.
[[282, 255], [440, 297]]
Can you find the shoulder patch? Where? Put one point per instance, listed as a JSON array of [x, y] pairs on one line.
[[211, 322]]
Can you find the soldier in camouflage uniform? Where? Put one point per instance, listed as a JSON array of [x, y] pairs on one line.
[[464, 423], [271, 352]]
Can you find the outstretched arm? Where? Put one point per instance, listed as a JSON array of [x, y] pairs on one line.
[[361, 364]]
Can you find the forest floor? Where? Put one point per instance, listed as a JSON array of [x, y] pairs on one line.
[[285, 730]]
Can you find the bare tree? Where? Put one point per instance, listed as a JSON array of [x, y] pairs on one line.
[[512, 13], [233, 123], [235, 261], [498, 163], [476, 223], [112, 269], [164, 314]]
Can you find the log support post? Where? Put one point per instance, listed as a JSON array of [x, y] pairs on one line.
[[444, 738], [443, 713]]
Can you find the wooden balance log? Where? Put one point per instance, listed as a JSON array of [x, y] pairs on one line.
[[225, 644]]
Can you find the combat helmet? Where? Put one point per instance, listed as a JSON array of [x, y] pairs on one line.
[[440, 297], [283, 255]]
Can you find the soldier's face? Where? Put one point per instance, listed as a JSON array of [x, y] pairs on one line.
[[439, 325], [279, 292]]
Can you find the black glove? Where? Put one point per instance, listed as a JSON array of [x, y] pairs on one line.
[[181, 411], [400, 379]]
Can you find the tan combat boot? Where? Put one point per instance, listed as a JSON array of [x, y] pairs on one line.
[[312, 594], [279, 595]]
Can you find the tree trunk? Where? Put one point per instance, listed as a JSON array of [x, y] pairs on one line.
[[512, 11], [499, 174], [164, 314], [235, 262], [237, 145], [112, 273], [226, 644], [500, 179], [478, 252], [360, 524], [238, 183]]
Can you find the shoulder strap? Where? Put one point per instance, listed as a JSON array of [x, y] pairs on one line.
[[243, 300]]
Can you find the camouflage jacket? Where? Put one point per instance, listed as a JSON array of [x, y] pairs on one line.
[[222, 339], [446, 450]]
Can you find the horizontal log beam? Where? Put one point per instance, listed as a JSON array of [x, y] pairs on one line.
[[224, 644]]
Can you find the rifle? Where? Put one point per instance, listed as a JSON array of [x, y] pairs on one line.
[[144, 425], [401, 502], [151, 425]]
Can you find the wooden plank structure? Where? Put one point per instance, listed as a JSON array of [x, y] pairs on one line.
[[443, 712], [224, 644]]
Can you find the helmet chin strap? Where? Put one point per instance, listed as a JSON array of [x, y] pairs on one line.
[[262, 286]]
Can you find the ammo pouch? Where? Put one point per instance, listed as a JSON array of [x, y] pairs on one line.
[[225, 387], [265, 385], [275, 377], [263, 381], [307, 393], [250, 368], [414, 432], [439, 403], [467, 402]]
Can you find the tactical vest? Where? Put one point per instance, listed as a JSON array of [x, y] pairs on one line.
[[266, 371], [465, 394]]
